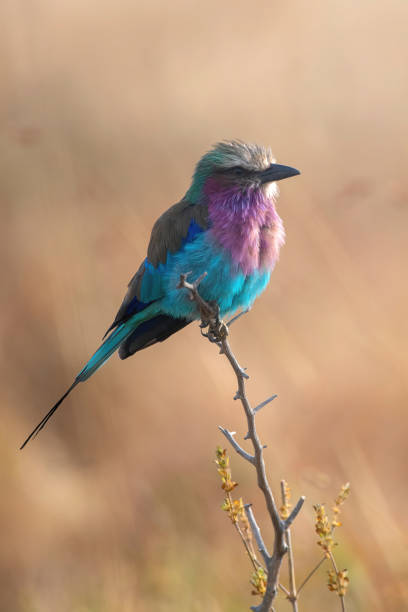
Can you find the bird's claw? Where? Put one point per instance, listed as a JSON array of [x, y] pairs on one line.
[[222, 329], [216, 328]]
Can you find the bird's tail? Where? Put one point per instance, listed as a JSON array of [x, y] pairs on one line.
[[107, 348]]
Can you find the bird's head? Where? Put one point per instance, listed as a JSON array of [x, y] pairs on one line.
[[237, 166]]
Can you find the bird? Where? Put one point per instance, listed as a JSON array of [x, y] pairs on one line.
[[226, 226]]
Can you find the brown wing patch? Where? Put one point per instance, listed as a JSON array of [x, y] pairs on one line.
[[171, 228], [167, 235]]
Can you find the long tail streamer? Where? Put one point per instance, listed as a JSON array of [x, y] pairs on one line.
[[107, 348]]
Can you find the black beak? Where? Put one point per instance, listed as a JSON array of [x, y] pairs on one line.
[[277, 172]]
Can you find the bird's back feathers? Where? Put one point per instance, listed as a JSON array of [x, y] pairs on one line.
[[172, 228], [179, 225]]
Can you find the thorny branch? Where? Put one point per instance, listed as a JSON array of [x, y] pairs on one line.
[[217, 332]]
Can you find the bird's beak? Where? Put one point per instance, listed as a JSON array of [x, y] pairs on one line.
[[277, 172]]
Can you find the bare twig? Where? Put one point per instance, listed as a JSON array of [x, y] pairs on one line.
[[218, 333], [247, 544], [295, 511], [230, 437], [310, 574], [238, 316], [292, 582], [256, 532], [265, 402], [284, 589]]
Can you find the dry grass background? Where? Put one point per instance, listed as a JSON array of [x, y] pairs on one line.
[[104, 108]]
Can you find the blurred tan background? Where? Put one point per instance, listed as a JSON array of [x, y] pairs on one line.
[[105, 107]]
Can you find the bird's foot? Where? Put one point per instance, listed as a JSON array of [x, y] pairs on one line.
[[217, 328]]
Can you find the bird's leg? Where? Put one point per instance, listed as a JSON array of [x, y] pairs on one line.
[[209, 311], [218, 330]]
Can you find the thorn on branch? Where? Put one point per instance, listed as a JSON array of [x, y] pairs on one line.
[[264, 403], [294, 512]]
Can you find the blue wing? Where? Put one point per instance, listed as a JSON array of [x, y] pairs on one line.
[[178, 226]]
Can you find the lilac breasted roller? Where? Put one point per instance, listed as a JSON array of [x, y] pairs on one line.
[[227, 226]]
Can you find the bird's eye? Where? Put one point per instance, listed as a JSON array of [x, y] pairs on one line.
[[238, 171]]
